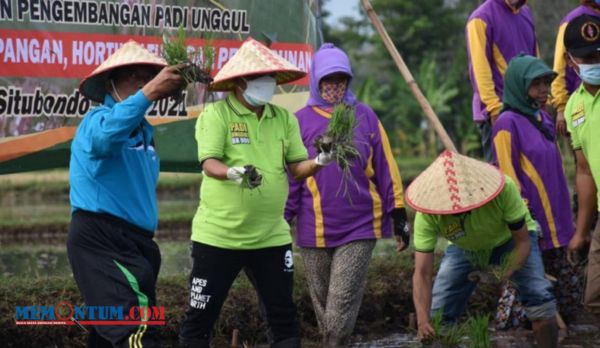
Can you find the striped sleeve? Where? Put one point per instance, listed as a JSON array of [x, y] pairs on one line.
[[483, 83], [387, 175], [294, 199], [560, 94], [504, 151], [575, 141]]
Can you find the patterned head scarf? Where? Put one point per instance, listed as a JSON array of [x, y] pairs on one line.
[[326, 61]]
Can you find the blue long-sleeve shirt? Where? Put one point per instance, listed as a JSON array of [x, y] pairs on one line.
[[114, 167]]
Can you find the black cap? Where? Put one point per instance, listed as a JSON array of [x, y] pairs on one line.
[[582, 36]]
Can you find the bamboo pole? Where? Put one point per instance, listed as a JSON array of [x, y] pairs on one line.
[[429, 113]]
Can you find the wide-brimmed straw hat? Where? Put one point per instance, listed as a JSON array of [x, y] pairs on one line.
[[254, 58], [454, 184], [131, 53]]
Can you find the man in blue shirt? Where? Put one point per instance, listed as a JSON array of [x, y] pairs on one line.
[[113, 174]]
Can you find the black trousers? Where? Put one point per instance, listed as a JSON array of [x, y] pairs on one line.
[[213, 272], [114, 263]]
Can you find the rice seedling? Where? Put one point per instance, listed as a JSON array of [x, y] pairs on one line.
[[477, 329], [339, 138], [175, 51], [506, 262], [208, 56], [446, 335]]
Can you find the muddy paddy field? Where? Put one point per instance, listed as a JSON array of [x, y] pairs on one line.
[[34, 270]]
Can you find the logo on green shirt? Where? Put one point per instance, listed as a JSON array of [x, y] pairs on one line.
[[454, 231], [239, 133], [578, 116]]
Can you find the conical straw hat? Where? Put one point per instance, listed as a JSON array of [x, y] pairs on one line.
[[454, 184], [131, 53], [254, 58]]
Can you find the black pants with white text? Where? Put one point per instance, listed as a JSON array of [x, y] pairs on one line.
[[213, 272]]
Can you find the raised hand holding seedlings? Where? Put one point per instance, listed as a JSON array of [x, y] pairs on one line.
[[339, 139], [175, 51]]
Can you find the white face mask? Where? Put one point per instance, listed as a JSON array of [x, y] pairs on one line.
[[260, 90]]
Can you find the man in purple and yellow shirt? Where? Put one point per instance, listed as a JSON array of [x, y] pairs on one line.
[[567, 80], [337, 226], [496, 31]]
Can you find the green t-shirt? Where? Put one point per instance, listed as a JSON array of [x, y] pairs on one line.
[[231, 217], [583, 121], [480, 229]]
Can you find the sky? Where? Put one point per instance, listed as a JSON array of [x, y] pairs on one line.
[[341, 8]]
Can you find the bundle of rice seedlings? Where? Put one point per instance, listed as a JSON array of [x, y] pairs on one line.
[[339, 138], [175, 51], [208, 56], [484, 271], [480, 260], [251, 178], [505, 264]]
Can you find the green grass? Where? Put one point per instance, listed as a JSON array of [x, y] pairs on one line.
[[24, 216], [411, 167], [387, 301], [41, 198], [56, 181], [178, 180]]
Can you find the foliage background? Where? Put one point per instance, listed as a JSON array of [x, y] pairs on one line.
[[430, 37]]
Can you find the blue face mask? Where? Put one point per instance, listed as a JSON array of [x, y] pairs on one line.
[[590, 73]]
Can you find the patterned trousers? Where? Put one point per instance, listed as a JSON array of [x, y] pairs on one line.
[[336, 280]]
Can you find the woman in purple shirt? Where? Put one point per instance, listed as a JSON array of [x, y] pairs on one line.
[[336, 233], [525, 149]]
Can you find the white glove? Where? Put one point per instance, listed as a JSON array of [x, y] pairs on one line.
[[324, 158], [235, 174]]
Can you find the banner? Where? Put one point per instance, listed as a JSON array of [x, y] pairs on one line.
[[48, 46]]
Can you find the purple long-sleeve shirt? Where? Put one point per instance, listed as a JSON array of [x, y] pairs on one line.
[[495, 33], [325, 217], [567, 80], [535, 165]]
